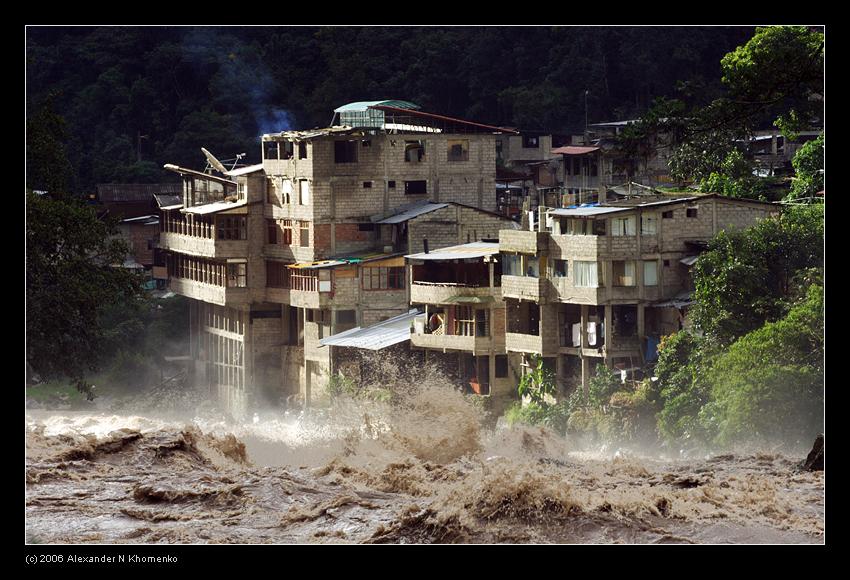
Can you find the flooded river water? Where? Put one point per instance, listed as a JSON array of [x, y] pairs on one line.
[[422, 472]]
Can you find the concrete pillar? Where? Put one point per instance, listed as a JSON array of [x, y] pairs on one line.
[[583, 329], [585, 372], [609, 328]]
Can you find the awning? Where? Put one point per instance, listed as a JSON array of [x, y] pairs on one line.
[[689, 260], [316, 265], [381, 335], [587, 211], [574, 150], [678, 301], [469, 300], [245, 170], [461, 252], [218, 207], [412, 212]]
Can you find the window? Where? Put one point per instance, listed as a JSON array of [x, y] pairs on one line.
[[511, 265], [414, 151], [501, 366], [415, 187], [458, 150], [666, 263], [286, 191], [391, 184], [346, 317], [237, 275], [599, 227], [648, 224], [345, 151], [365, 227], [586, 274], [383, 278], [623, 226], [367, 184], [498, 148], [272, 229], [624, 273], [304, 234], [270, 150], [532, 266], [560, 268], [232, 228], [650, 273], [529, 142], [302, 150], [286, 149], [304, 192], [691, 212], [667, 215], [286, 239], [366, 143], [277, 274]]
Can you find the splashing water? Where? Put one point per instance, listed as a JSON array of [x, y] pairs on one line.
[[422, 469]]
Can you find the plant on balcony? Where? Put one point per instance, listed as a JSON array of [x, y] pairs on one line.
[[539, 384]]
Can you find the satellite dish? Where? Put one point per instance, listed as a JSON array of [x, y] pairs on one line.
[[213, 162]]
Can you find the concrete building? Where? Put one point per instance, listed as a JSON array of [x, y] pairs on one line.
[[310, 243], [602, 284], [462, 321]]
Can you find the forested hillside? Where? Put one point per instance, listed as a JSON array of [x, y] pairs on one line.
[[135, 98]]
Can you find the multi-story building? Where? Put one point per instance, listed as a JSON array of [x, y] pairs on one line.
[[310, 243], [462, 321], [601, 284]]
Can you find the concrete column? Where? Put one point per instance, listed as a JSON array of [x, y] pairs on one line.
[[609, 328], [585, 372], [583, 329]]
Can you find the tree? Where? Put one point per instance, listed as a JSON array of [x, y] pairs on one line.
[[747, 278], [73, 272], [48, 168], [808, 169], [768, 386]]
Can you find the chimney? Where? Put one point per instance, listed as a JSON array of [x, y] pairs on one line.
[[425, 244]]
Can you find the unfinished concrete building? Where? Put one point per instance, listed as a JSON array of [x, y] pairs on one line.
[[462, 321], [310, 243], [602, 284]]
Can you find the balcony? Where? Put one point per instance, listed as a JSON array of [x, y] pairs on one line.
[[442, 293], [525, 288], [579, 247], [523, 242], [203, 246], [221, 295], [443, 342], [531, 343]]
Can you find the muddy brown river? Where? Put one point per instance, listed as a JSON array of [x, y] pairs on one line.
[[424, 472]]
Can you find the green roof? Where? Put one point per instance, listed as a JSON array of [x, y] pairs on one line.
[[361, 106]]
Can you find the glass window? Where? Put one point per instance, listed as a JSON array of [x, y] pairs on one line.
[[586, 274], [345, 151], [624, 273], [648, 224], [511, 265], [623, 226], [650, 273], [560, 268], [304, 192]]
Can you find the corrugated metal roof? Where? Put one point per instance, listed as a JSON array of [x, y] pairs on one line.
[[168, 201], [587, 211], [689, 260], [145, 220], [461, 252], [361, 106], [245, 170], [119, 192], [381, 335], [413, 212], [574, 150], [167, 207], [678, 301], [215, 207]]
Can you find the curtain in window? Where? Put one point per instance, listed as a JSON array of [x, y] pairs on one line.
[[623, 226], [648, 224], [586, 274]]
